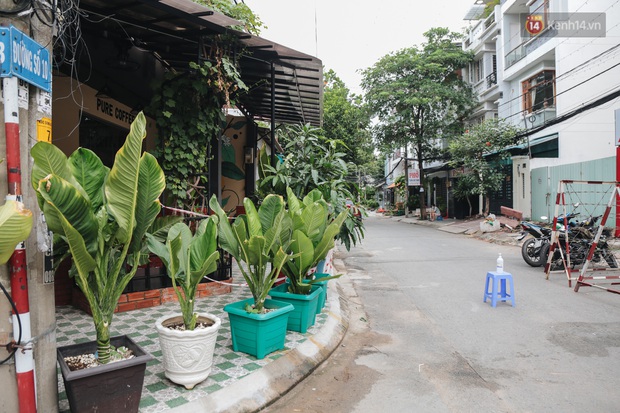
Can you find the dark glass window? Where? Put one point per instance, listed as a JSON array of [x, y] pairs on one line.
[[103, 138]]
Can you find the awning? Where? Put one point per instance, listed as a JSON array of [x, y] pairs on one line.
[[175, 32], [392, 185]]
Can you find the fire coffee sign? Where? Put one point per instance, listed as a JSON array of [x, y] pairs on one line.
[[24, 58]]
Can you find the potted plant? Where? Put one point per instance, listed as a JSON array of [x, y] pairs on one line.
[[99, 216], [188, 340], [312, 238], [257, 240]]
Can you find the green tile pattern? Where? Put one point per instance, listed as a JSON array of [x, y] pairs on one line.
[[160, 394]]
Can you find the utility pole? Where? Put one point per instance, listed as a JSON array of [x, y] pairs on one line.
[[406, 184]]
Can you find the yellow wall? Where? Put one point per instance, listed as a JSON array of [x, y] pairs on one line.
[[233, 177]]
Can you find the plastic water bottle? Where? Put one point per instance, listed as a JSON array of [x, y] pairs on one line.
[[500, 263]]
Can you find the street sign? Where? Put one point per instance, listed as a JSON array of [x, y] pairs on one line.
[[23, 57], [30, 61], [5, 52]]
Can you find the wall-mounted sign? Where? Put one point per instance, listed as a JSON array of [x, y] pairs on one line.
[[44, 130], [23, 57], [414, 177]]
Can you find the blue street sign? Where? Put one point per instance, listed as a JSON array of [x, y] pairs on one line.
[[5, 52], [23, 57], [30, 61]]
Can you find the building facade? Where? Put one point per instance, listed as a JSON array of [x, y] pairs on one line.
[[551, 68]]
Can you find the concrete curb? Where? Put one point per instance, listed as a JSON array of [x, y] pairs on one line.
[[262, 387]]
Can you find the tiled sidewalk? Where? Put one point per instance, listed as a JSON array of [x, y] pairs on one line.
[[160, 394]]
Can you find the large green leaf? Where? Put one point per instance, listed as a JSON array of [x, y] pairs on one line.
[[15, 226], [121, 188], [65, 201], [151, 183], [303, 252], [83, 261], [269, 210], [256, 248], [90, 173], [279, 234], [294, 204], [48, 159], [314, 217], [327, 241], [203, 246], [254, 221], [228, 240]]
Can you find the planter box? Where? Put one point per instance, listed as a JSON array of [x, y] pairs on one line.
[[112, 387], [258, 334], [187, 355], [304, 314], [323, 294]]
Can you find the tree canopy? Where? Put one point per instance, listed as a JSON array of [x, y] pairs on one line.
[[481, 150], [418, 96]]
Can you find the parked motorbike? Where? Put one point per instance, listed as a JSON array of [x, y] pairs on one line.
[[535, 249]]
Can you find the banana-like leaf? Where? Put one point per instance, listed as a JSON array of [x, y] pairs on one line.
[[90, 173], [203, 251], [151, 183], [255, 249], [158, 248], [313, 196], [180, 237], [279, 234], [303, 250], [82, 260], [228, 240], [253, 220], [314, 218], [65, 199], [160, 227], [328, 240], [48, 159], [121, 188], [15, 226], [294, 204], [269, 210]]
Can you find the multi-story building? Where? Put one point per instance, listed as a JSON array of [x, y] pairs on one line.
[[556, 67]]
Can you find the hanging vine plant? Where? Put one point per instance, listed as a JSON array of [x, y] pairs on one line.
[[189, 113]]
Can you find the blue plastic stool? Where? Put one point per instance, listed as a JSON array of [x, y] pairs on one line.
[[498, 288]]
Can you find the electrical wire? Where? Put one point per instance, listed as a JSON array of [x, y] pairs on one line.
[[19, 322]]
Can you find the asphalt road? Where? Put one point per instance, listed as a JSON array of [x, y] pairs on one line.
[[422, 340]]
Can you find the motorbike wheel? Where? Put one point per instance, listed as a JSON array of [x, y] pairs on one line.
[[529, 253], [611, 260]]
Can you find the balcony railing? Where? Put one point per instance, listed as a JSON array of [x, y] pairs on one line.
[[535, 119], [489, 21], [492, 79]]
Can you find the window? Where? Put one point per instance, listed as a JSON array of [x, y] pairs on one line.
[[102, 138], [475, 71], [539, 91]]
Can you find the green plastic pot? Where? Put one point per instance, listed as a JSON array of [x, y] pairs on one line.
[[304, 313]]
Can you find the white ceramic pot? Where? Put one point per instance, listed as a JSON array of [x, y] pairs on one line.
[[188, 355]]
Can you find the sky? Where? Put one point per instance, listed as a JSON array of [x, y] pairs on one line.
[[350, 35]]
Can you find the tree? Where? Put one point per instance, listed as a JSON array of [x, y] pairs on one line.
[[345, 119], [239, 11], [481, 150], [311, 161], [418, 96]]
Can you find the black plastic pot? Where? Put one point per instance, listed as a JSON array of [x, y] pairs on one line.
[[113, 387]]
